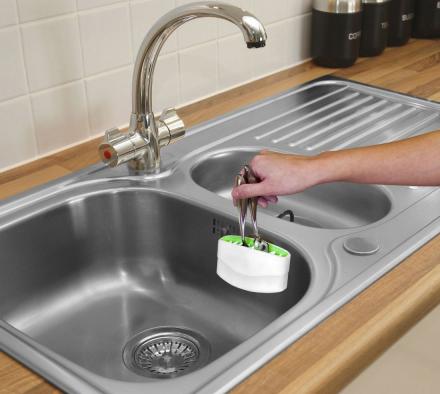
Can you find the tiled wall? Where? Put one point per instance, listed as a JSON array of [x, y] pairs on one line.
[[65, 65]]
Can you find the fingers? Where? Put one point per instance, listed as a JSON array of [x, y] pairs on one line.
[[268, 152], [261, 188], [253, 190], [272, 199], [249, 191], [264, 201]]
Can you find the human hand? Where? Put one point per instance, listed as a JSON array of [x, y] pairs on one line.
[[278, 174]]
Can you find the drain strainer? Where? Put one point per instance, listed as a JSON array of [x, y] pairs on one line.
[[166, 352]]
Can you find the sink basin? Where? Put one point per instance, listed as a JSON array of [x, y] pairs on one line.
[[108, 276], [84, 277], [334, 205]]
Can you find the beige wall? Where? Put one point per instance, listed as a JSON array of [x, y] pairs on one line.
[[65, 65]]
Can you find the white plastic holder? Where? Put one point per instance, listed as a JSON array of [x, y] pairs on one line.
[[250, 269]]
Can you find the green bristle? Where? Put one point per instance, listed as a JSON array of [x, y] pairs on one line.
[[273, 249]]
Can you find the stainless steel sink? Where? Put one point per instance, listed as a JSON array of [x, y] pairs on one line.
[[105, 268], [85, 276]]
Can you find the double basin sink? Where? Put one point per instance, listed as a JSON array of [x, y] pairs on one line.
[[108, 277]]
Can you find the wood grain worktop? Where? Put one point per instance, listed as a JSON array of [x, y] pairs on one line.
[[329, 356]]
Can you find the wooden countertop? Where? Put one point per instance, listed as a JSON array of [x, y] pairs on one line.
[[329, 356]]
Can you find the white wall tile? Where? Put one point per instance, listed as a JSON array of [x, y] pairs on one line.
[[60, 117], [78, 57], [86, 4], [8, 14], [105, 37], [196, 31], [270, 11], [226, 28], [52, 52], [198, 71], [234, 61], [17, 134], [298, 39], [29, 10], [166, 87], [273, 56], [12, 73], [143, 15], [298, 7], [109, 100]]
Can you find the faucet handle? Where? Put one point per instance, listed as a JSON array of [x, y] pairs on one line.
[[113, 135], [119, 147], [170, 127]]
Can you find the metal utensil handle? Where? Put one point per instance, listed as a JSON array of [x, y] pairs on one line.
[[254, 205], [242, 206], [251, 178]]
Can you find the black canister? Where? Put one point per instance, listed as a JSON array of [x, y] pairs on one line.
[[427, 19], [401, 20], [375, 25], [336, 32]]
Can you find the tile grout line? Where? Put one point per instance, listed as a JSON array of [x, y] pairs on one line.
[[130, 12], [28, 89], [83, 70], [67, 14], [130, 41], [110, 6], [179, 62], [109, 71]]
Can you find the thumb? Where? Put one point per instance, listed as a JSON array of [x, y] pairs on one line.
[[249, 191]]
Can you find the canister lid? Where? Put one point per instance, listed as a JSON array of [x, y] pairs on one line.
[[375, 1], [338, 6]]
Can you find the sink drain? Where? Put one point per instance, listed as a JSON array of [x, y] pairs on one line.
[[166, 352]]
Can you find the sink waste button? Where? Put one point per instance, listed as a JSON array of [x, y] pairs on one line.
[[361, 246]]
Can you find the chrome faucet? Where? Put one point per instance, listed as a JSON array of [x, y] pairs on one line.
[[141, 144]]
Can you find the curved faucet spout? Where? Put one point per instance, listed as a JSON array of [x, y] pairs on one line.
[[141, 146], [252, 29]]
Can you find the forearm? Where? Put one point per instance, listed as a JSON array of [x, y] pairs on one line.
[[414, 161]]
